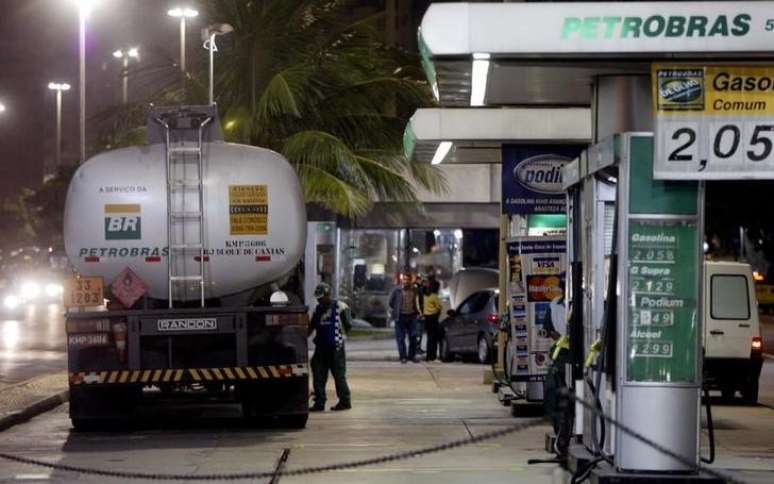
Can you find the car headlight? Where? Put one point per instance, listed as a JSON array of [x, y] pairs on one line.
[[30, 290], [53, 290], [11, 302]]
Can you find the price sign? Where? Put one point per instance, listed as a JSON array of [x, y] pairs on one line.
[[662, 301], [82, 292], [713, 122]]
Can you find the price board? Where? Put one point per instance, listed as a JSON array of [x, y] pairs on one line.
[[82, 292], [662, 302], [713, 122]]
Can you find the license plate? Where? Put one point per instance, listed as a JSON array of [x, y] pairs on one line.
[[96, 339], [188, 324]]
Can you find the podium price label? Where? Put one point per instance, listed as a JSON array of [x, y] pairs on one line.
[[662, 310]]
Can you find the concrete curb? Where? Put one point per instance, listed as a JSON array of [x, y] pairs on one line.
[[33, 410]]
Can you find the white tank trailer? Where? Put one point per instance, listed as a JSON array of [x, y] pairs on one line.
[[254, 219], [202, 223]]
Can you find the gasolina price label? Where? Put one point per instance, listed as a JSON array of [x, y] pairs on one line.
[[662, 288], [83, 292], [714, 122]]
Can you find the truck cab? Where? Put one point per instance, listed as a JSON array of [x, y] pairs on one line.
[[733, 349]]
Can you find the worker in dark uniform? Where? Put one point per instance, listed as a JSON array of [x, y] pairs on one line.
[[330, 323]]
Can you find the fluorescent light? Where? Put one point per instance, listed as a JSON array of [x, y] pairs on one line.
[[182, 12], [479, 76], [441, 152], [58, 86]]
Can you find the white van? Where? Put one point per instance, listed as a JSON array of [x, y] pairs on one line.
[[733, 349]]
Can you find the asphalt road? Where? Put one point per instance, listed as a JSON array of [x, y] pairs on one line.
[[32, 343]]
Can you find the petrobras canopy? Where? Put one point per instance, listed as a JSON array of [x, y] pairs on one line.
[[525, 29]]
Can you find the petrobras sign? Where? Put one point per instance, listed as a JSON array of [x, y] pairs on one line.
[[532, 178], [188, 324], [597, 27]]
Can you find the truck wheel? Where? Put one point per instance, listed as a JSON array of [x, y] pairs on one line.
[[750, 393], [728, 392], [293, 421]]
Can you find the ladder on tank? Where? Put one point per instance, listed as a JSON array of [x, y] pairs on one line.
[[184, 159]]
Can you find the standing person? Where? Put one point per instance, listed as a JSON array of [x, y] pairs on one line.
[[403, 310], [432, 312], [421, 289], [330, 323]]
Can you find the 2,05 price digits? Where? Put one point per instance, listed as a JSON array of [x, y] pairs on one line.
[[720, 142]]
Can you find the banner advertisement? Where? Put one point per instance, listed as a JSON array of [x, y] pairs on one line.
[[536, 285], [532, 178], [713, 122]]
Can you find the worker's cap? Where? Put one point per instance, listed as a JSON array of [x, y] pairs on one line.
[[321, 290]]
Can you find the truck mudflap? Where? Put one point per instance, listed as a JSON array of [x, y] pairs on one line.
[[188, 375]]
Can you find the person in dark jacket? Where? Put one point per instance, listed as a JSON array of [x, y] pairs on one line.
[[331, 321], [403, 310]]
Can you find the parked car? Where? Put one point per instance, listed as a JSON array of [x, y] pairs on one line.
[[471, 328]]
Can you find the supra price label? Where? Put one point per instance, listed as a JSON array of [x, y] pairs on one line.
[[82, 292]]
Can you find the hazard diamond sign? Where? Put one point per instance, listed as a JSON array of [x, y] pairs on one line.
[[127, 287]]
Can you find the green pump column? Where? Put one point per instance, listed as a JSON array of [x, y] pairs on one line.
[[660, 266]]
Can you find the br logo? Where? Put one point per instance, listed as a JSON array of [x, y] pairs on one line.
[[123, 222]]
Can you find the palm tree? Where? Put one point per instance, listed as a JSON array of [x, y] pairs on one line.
[[312, 80]]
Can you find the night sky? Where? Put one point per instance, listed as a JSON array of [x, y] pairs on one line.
[[39, 44]]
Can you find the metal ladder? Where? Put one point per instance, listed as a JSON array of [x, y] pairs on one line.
[[181, 153]]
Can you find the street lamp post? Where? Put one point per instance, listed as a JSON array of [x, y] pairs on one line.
[[132, 53], [182, 13], [59, 88], [213, 31], [84, 8]]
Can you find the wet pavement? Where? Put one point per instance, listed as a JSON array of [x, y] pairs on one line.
[[32, 343]]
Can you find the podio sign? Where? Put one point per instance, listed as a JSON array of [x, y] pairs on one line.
[[542, 173]]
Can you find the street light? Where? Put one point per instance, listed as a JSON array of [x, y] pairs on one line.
[[84, 9], [59, 87], [182, 13], [132, 53], [210, 33]]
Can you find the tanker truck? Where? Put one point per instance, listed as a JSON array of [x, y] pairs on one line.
[[179, 248]]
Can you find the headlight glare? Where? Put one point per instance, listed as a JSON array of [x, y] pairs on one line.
[[30, 290]]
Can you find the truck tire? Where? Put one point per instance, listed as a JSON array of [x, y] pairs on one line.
[[750, 393], [293, 421]]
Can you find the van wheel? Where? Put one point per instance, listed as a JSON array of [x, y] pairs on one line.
[[443, 350], [750, 393]]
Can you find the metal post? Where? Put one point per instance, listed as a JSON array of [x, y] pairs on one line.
[[58, 128], [125, 90], [82, 80], [212, 68], [502, 301], [182, 51]]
